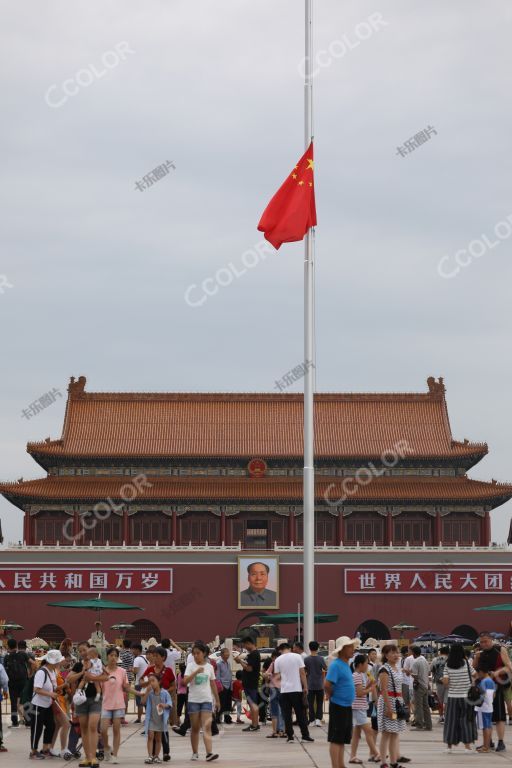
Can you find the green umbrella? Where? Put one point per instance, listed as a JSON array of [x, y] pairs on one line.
[[499, 607], [292, 618], [96, 604]]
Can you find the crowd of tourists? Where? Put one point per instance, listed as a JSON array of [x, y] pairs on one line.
[[74, 694]]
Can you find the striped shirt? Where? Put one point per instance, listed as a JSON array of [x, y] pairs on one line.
[[360, 702], [459, 681]]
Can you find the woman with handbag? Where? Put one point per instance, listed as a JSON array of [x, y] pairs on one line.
[[459, 718], [391, 712]]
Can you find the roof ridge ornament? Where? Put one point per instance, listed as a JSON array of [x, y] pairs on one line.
[[436, 387], [77, 388]]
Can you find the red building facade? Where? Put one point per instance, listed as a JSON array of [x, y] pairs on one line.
[[189, 482]]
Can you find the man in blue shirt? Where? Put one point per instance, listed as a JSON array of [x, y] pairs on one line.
[[340, 691]]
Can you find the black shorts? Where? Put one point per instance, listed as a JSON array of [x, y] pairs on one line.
[[340, 724], [499, 712]]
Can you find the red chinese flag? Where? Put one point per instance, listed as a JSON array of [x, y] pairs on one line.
[[291, 212]]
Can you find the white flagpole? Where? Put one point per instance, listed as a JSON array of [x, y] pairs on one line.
[[308, 627]]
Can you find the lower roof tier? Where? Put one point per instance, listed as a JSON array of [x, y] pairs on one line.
[[360, 489]]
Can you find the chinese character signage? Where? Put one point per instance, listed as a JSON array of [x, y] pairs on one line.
[[73, 581], [428, 581]]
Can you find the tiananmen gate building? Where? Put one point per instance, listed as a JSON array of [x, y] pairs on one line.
[[164, 500]]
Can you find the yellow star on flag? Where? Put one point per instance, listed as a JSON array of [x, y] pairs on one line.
[[311, 164]]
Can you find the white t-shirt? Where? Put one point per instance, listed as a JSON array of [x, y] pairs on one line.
[[190, 658], [140, 664], [288, 666], [199, 689], [407, 667], [46, 680], [172, 658]]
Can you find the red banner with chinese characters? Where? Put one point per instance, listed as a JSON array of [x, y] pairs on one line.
[[428, 581], [72, 581]]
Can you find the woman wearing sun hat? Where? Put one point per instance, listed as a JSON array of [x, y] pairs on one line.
[[41, 717]]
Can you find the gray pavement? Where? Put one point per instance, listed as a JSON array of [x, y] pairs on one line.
[[254, 750]]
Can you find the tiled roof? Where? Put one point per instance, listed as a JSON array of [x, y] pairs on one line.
[[254, 425], [385, 489]]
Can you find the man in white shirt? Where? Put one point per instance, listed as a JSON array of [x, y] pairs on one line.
[[294, 686], [140, 664], [407, 690]]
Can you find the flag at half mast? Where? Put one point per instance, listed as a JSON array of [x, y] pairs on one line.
[[291, 212]]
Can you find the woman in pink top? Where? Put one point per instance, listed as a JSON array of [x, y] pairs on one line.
[[113, 706]]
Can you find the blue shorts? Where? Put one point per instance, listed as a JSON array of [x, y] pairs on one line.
[[274, 703], [112, 714], [484, 720], [199, 706]]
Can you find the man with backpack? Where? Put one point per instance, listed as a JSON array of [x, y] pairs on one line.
[[17, 664]]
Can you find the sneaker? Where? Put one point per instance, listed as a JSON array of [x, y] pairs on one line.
[[195, 756], [501, 746], [3, 748], [290, 740], [179, 730], [38, 756], [306, 738], [166, 758], [106, 755], [55, 753], [211, 756], [14, 725], [149, 760], [251, 728], [318, 723], [66, 754], [114, 759], [156, 760]]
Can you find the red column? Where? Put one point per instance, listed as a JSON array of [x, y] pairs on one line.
[[486, 527], [126, 527], [438, 529], [222, 527], [389, 528], [27, 532], [174, 535], [341, 528], [76, 525], [291, 529]]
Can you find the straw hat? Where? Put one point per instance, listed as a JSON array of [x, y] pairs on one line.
[[341, 642]]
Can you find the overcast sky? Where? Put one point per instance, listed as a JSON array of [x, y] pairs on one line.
[[99, 270]]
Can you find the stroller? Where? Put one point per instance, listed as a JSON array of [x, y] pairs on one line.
[[74, 739], [75, 743]]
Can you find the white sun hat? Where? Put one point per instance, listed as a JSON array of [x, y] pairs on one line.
[[342, 641], [53, 657]]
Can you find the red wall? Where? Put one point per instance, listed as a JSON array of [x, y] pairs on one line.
[[204, 603]]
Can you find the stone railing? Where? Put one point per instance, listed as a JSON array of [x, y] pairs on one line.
[[18, 546]]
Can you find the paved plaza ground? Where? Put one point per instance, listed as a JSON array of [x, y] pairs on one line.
[[253, 750]]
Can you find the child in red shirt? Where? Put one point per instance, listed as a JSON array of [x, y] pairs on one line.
[[237, 696]]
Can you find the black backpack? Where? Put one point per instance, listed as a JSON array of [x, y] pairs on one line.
[[16, 668]]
